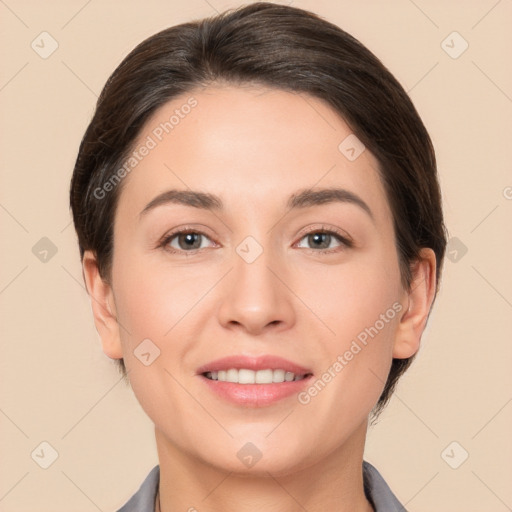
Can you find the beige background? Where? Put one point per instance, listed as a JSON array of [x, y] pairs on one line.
[[58, 386]]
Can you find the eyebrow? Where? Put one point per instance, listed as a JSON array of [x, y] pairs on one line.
[[301, 199]]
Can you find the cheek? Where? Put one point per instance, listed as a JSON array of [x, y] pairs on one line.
[[351, 296], [152, 298], [356, 357], [152, 303], [359, 306]]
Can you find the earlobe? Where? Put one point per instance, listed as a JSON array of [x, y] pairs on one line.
[[103, 307], [418, 301]]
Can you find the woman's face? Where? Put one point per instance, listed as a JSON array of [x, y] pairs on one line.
[[267, 270]]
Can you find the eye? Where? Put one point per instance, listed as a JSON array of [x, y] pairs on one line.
[[186, 240], [191, 240], [322, 240]]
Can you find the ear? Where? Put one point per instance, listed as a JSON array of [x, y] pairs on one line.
[[103, 307], [417, 303]]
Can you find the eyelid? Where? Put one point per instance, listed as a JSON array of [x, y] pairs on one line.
[[343, 235], [340, 234], [166, 239]]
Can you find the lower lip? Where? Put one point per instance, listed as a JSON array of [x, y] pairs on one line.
[[255, 395]]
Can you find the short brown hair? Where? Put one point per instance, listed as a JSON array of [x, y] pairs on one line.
[[280, 47]]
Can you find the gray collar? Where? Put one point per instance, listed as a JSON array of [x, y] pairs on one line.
[[378, 492]]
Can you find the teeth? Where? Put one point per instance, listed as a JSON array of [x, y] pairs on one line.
[[232, 375], [260, 377], [245, 376]]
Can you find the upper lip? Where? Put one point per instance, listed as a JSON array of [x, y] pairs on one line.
[[255, 363]]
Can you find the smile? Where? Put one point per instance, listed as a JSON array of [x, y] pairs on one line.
[[246, 376]]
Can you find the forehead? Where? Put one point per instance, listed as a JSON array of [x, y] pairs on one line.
[[249, 145]]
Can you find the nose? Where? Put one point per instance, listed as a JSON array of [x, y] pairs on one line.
[[256, 297]]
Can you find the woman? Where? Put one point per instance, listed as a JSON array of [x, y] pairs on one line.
[[260, 226]]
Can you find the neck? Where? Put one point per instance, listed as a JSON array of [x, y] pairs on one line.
[[333, 483]]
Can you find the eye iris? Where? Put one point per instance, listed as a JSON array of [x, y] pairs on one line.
[[323, 238], [191, 241]]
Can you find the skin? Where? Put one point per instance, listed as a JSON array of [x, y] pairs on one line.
[[254, 147]]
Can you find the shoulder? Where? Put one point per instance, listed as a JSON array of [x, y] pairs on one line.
[[144, 499], [378, 492]]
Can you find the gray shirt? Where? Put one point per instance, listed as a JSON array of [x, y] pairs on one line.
[[375, 488]]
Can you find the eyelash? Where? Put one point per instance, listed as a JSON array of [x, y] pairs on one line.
[[345, 240]]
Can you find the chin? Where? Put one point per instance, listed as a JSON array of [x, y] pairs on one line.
[[258, 458]]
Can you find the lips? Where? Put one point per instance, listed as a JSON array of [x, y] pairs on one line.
[[254, 363], [254, 381]]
